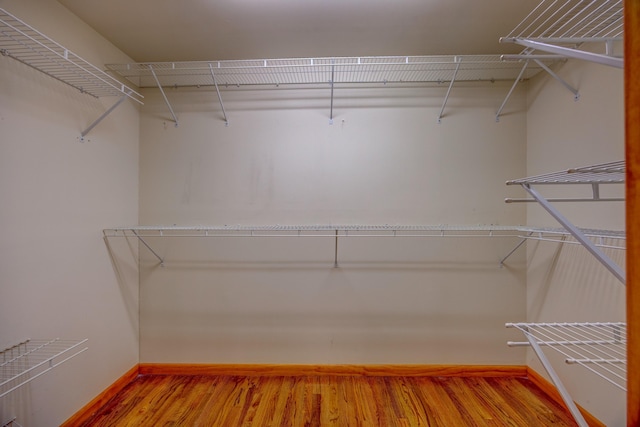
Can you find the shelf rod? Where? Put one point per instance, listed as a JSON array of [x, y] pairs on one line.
[[105, 114], [224, 113], [524, 67], [446, 97], [566, 397], [166, 100], [148, 247], [569, 52], [579, 236], [542, 65]]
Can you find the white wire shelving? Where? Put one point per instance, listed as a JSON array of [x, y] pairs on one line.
[[598, 347], [22, 42], [594, 176], [32, 358], [567, 27], [314, 231], [381, 72]]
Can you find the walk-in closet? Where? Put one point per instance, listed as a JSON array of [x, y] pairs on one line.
[[287, 208]]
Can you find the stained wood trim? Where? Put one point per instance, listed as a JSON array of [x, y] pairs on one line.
[[320, 370], [553, 393], [91, 408], [632, 152]]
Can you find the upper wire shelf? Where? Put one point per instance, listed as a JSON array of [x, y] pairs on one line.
[[573, 20], [28, 360], [381, 70], [23, 43], [561, 27]]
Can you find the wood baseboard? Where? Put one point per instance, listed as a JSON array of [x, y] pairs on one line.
[[342, 370], [553, 393], [91, 408]]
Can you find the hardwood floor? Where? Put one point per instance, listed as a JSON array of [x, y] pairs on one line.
[[198, 400]]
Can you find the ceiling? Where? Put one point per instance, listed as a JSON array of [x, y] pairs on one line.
[[200, 30]]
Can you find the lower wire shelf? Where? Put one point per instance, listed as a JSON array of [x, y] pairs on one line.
[[24, 362], [598, 347]]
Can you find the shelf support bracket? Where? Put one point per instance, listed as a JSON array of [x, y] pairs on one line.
[[524, 239], [576, 95], [568, 52], [148, 247], [166, 100], [446, 97], [333, 69], [335, 257], [524, 67], [102, 117], [577, 234], [566, 397], [215, 83]]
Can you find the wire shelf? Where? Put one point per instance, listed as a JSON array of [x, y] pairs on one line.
[[598, 347], [606, 173], [28, 360], [561, 27], [569, 21], [380, 70], [317, 230], [23, 43]]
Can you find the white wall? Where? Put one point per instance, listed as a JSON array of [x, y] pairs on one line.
[[385, 160], [57, 194], [564, 282]]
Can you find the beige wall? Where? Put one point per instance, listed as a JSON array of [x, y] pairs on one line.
[[564, 282], [385, 160], [57, 195]]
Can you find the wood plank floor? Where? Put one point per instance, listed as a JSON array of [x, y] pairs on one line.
[[174, 400]]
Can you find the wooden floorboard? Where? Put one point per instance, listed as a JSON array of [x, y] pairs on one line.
[[203, 400]]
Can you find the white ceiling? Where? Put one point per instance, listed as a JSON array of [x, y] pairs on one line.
[[183, 30]]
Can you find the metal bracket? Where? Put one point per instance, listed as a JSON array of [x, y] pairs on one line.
[[576, 95], [524, 67], [333, 66], [166, 100], [524, 239], [446, 97], [105, 114], [577, 234], [224, 113], [148, 247]]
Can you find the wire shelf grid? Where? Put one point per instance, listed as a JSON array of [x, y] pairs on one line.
[[30, 359], [25, 44], [598, 347], [605, 173], [573, 21], [317, 230], [340, 70]]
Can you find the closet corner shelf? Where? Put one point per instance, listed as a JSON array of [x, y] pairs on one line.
[[27, 45], [563, 27], [30, 359], [598, 347]]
